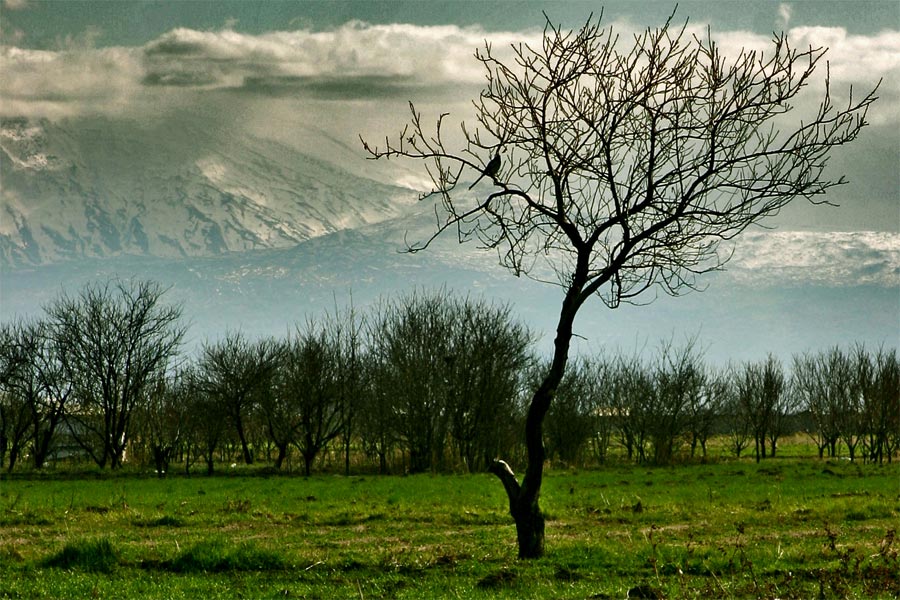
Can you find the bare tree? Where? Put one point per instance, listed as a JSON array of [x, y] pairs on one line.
[[206, 429], [625, 168], [115, 339], [824, 386], [281, 416], [627, 391], [411, 350], [448, 370], [887, 391], [377, 431], [738, 423], [677, 384], [164, 419], [489, 351], [15, 426], [600, 372], [705, 409], [234, 373], [777, 387], [347, 332], [735, 420], [571, 420], [763, 398], [877, 385], [308, 380], [20, 390], [57, 385]]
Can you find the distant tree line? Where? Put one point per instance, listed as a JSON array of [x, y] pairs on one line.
[[425, 382]]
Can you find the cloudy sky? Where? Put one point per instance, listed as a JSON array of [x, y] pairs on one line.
[[349, 67]]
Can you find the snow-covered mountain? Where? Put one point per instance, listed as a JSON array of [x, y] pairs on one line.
[[253, 234], [178, 189]]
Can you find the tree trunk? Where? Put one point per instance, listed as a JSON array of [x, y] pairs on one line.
[[282, 454], [347, 453], [525, 511], [530, 531], [13, 457], [41, 447], [161, 458], [523, 499], [210, 452], [245, 447]]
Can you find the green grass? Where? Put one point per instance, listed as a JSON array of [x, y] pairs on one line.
[[217, 555], [785, 528]]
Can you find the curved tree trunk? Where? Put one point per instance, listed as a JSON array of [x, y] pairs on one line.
[[525, 510], [524, 499]]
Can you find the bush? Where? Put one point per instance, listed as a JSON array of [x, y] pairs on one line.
[[86, 555], [216, 556]]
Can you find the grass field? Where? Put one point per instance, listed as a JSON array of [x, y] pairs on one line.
[[786, 528]]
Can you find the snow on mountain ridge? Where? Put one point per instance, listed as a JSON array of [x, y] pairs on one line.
[[176, 190]]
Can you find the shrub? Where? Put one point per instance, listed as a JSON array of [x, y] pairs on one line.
[[86, 555], [216, 556]]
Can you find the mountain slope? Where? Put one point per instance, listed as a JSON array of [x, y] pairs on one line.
[[744, 313], [178, 189]]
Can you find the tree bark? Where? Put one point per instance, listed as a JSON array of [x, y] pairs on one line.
[[525, 511], [282, 454], [524, 504]]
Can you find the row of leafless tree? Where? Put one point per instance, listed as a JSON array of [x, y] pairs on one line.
[[433, 378], [670, 406], [426, 382], [87, 368]]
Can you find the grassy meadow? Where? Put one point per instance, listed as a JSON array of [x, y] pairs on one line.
[[785, 528]]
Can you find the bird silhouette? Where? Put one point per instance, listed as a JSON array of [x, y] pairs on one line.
[[491, 169]]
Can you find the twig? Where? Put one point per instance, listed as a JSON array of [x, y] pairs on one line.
[[315, 564]]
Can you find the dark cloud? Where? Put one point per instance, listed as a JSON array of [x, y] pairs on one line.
[[332, 87], [179, 79], [173, 46]]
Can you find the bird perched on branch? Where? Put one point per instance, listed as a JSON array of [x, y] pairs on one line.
[[491, 169]]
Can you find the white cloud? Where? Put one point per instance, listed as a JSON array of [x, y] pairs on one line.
[[352, 62], [853, 60], [67, 83], [859, 61], [407, 55], [356, 62], [349, 80], [823, 258]]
